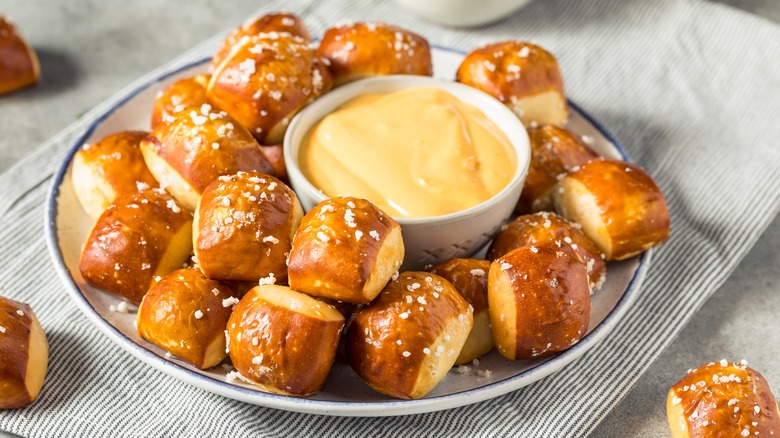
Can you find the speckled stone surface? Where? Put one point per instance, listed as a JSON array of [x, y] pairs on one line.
[[91, 48]]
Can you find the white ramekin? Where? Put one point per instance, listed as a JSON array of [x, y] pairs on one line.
[[434, 239]]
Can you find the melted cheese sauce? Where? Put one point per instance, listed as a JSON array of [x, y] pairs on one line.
[[414, 153]]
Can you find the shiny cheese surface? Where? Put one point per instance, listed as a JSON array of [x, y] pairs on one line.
[[415, 153]]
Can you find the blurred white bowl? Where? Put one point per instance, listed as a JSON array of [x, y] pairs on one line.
[[432, 239], [463, 13]]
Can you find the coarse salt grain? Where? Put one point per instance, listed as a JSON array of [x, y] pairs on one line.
[[505, 266], [198, 314], [2, 329], [484, 373], [676, 400], [358, 235], [267, 280], [374, 234], [20, 313], [323, 237], [173, 206], [227, 302], [406, 354], [477, 272]]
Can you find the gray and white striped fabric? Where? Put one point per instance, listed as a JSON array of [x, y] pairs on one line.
[[691, 89]]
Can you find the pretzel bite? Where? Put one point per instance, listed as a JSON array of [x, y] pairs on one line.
[[265, 80], [181, 95], [283, 341], [544, 226], [185, 314], [469, 277], [539, 300], [24, 354], [523, 76], [555, 151], [362, 50], [278, 22], [722, 399], [18, 63], [113, 166], [405, 341], [198, 146], [244, 227], [346, 249], [139, 237], [275, 154], [618, 204]]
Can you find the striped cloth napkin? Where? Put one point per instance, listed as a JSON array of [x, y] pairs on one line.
[[689, 87]]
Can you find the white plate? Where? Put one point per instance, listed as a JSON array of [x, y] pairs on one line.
[[344, 393]]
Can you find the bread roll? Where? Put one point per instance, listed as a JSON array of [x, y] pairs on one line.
[[111, 167], [539, 300], [265, 80], [182, 94], [198, 146], [18, 63], [362, 50], [346, 249], [544, 226], [722, 399], [276, 22], [185, 314], [555, 151], [470, 279], [275, 154], [618, 204], [24, 354], [244, 227], [405, 341], [283, 341], [523, 76], [139, 237]]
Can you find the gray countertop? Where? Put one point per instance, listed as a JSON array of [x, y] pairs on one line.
[[89, 49]]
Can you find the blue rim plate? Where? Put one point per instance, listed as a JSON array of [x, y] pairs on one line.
[[344, 394]]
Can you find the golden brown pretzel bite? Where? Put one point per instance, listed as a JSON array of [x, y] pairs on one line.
[[363, 50], [266, 80], [346, 249], [244, 227], [109, 168], [24, 354], [539, 300], [18, 63], [405, 341], [555, 151], [618, 204], [283, 341], [277, 22], [185, 314], [470, 278], [275, 154], [198, 146], [543, 226], [138, 237], [722, 399], [181, 95], [523, 76]]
